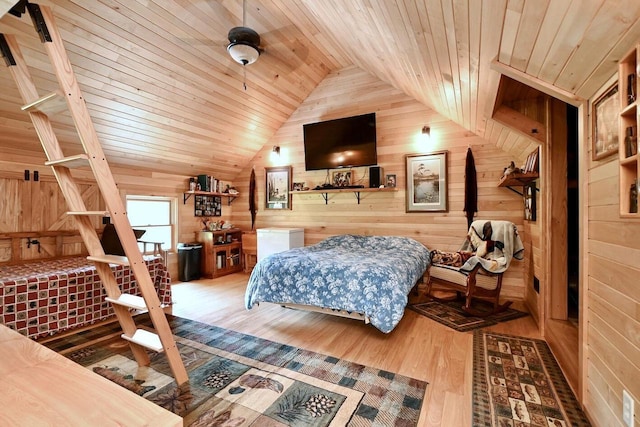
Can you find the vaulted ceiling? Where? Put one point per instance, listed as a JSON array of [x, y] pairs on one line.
[[165, 95]]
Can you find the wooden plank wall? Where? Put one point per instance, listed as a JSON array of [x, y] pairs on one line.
[[399, 120], [39, 207], [612, 298]]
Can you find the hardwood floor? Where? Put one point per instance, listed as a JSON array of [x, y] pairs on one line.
[[418, 347]]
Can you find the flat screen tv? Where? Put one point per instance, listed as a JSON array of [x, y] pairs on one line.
[[340, 143]]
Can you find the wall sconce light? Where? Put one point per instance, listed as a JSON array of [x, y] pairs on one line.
[[275, 155], [426, 130]]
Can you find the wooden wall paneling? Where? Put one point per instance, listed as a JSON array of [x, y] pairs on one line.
[[612, 346], [557, 221], [10, 206]]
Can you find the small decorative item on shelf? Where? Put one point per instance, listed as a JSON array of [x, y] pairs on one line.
[[633, 198], [512, 168], [631, 89], [192, 184], [631, 141], [298, 186]]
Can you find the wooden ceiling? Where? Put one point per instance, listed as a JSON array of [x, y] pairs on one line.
[[166, 96]]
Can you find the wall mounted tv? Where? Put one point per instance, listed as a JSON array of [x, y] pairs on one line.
[[340, 143]]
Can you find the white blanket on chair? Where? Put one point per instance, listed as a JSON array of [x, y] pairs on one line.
[[495, 244]]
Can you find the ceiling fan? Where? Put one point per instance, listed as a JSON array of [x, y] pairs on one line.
[[285, 46], [244, 44]]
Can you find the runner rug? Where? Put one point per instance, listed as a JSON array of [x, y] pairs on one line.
[[517, 382], [241, 380], [450, 314]]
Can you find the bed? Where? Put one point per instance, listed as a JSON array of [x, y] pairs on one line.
[[44, 297], [367, 276]]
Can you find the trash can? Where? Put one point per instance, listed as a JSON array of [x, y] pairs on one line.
[[189, 255]]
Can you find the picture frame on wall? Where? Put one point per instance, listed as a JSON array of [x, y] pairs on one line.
[[390, 181], [427, 182], [605, 130], [341, 178], [278, 187], [205, 205], [529, 195]]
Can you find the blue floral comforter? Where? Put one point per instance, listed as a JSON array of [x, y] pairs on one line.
[[372, 275]]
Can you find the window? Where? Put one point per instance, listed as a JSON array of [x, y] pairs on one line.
[[156, 215]]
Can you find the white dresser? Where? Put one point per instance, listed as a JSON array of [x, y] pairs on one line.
[[272, 240]]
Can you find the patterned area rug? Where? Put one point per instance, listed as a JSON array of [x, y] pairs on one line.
[[518, 383], [241, 380], [450, 314]]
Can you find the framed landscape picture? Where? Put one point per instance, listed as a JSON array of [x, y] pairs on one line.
[[277, 188], [427, 182]]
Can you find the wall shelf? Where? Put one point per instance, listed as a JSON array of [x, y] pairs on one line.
[[187, 194], [356, 191], [518, 180]]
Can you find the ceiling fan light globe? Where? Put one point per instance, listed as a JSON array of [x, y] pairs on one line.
[[243, 53]]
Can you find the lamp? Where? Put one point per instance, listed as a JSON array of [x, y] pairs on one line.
[[276, 150], [243, 45], [426, 130]]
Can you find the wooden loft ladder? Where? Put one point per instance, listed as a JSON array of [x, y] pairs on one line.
[[69, 96]]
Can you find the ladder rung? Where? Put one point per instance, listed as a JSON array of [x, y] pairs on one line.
[[146, 339], [48, 104], [89, 213], [109, 259], [77, 161], [128, 300]]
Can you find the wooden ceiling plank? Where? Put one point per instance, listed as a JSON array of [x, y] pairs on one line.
[[489, 43], [531, 20], [110, 31], [512, 19], [463, 50], [602, 35], [452, 41], [569, 34], [603, 72]]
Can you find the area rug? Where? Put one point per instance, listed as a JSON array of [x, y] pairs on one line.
[[450, 314], [241, 380], [517, 382]]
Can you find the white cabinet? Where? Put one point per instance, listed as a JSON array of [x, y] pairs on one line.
[[273, 240]]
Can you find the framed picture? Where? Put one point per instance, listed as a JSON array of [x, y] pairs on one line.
[[604, 138], [278, 183], [207, 206], [390, 181], [427, 182], [529, 195], [341, 178]]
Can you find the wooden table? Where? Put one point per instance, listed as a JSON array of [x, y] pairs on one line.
[[42, 388]]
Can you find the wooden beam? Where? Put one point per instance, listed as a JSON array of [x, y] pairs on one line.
[[520, 123], [541, 85]]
